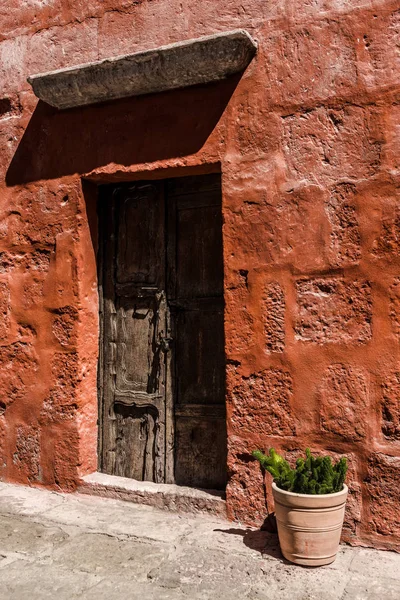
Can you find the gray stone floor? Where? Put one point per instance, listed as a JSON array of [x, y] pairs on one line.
[[62, 546]]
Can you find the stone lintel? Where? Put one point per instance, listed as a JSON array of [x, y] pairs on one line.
[[179, 65]]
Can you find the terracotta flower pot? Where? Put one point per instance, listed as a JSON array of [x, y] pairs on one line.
[[309, 526]]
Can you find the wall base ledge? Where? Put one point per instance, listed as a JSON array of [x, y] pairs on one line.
[[160, 495]]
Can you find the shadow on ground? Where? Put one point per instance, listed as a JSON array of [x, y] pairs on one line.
[[264, 542]]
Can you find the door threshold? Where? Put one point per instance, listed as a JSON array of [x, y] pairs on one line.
[[160, 495]]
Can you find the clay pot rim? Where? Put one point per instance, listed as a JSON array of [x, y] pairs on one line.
[[297, 495]]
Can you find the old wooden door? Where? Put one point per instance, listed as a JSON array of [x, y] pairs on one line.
[[162, 367]]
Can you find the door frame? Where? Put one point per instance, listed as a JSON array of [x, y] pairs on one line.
[[103, 194]]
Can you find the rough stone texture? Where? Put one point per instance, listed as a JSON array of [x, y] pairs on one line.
[[347, 145], [388, 243], [27, 451], [239, 337], [177, 66], [383, 472], [344, 401], [18, 371], [4, 310], [345, 247], [353, 517], [246, 493], [391, 407], [298, 58], [61, 403], [262, 404], [74, 546], [274, 317], [334, 311], [394, 294], [307, 140], [382, 48]]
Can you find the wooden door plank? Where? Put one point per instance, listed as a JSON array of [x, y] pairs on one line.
[[134, 325], [195, 288]]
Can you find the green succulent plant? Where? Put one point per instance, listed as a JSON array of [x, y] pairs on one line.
[[312, 475]]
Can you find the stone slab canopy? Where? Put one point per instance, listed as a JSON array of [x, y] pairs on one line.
[[192, 62]]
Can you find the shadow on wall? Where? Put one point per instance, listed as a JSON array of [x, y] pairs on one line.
[[128, 131]]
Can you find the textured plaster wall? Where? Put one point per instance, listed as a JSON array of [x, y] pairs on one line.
[[308, 142]]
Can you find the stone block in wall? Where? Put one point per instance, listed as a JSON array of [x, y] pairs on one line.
[[18, 372], [5, 310], [333, 310], [390, 407], [26, 457], [66, 458], [37, 260], [315, 8], [32, 292], [8, 261], [353, 512], [380, 57], [382, 483], [64, 368], [18, 17], [64, 325], [391, 149], [61, 403], [310, 64], [239, 321], [147, 25], [301, 227], [13, 56], [254, 131], [345, 239], [262, 404], [11, 132], [344, 401], [57, 47], [273, 309], [61, 287], [26, 333], [30, 230], [245, 491], [285, 227], [4, 439], [387, 244], [327, 145], [42, 211]]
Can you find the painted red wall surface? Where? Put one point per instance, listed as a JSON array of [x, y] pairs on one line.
[[308, 143]]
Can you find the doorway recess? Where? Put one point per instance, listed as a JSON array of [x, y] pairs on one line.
[[162, 359]]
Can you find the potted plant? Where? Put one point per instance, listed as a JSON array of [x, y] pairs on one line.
[[309, 505]]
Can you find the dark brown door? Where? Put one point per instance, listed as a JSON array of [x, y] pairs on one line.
[[162, 367]]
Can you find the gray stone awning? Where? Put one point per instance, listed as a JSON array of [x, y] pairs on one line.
[[192, 62]]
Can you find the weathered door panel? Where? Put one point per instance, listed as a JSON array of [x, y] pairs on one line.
[[195, 294], [199, 344], [140, 234], [200, 450], [198, 247], [134, 325]]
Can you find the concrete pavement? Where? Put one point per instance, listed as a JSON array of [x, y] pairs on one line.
[[67, 546]]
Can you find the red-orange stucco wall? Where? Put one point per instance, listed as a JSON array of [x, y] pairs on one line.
[[308, 143]]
